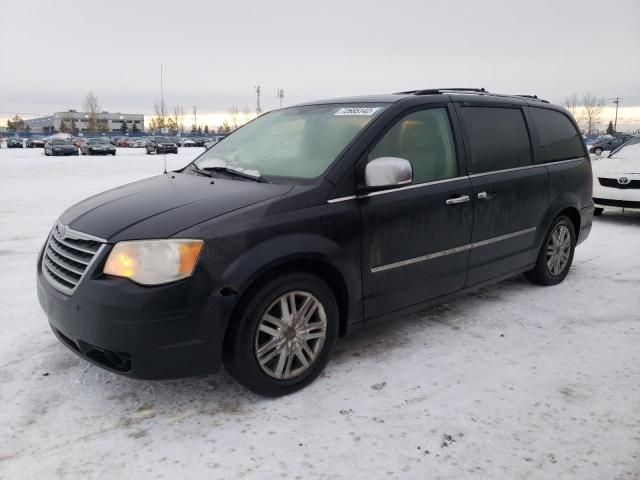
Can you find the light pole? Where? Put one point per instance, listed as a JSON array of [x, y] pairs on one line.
[[615, 124]]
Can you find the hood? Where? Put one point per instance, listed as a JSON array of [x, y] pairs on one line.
[[162, 206], [616, 166]]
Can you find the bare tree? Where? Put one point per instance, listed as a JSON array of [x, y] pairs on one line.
[[178, 118], [573, 105], [160, 111], [246, 112], [92, 109], [592, 107]]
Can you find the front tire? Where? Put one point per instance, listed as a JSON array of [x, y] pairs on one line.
[[597, 151], [282, 339], [556, 254]]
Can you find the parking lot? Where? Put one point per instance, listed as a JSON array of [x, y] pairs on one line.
[[512, 381]]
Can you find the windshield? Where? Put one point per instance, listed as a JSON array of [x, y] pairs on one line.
[[628, 150], [96, 141], [295, 142], [59, 141], [162, 140]]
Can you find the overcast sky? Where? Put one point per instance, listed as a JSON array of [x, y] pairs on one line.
[[53, 52]]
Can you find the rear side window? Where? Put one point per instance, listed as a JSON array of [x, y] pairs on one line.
[[498, 138], [559, 139], [423, 138]]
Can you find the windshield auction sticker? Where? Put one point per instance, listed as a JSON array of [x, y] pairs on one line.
[[362, 111]]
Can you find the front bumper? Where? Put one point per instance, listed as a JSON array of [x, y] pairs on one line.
[[64, 152], [101, 152], [166, 149], [162, 332], [616, 197]]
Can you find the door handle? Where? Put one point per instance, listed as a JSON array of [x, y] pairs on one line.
[[486, 195], [457, 200]]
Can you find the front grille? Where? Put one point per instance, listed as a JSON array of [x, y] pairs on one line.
[[613, 183], [67, 256]]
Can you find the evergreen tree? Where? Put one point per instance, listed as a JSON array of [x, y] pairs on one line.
[[123, 127], [73, 128], [206, 129], [134, 127], [610, 129], [200, 130], [63, 126], [194, 129]]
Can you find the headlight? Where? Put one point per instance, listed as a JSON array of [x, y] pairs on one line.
[[153, 262]]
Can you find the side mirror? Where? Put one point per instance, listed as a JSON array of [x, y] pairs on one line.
[[387, 172]]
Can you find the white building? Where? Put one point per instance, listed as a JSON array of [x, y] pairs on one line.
[[108, 122]]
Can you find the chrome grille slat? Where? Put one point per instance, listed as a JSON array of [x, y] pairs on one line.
[[60, 272], [67, 257], [67, 266], [69, 244]]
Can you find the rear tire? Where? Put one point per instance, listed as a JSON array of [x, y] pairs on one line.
[[597, 151], [597, 211], [556, 254], [273, 347]]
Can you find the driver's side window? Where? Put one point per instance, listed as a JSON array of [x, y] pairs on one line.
[[423, 138]]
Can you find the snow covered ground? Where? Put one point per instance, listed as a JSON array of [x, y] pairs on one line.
[[514, 381]]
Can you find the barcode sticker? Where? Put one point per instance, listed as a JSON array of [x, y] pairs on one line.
[[363, 111]]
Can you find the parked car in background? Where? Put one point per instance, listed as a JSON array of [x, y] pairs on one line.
[[78, 141], [60, 146], [187, 142], [122, 142], [260, 255], [98, 146], [160, 145], [616, 179], [138, 142], [35, 141], [607, 144], [213, 140], [15, 142]]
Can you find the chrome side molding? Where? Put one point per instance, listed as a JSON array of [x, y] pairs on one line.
[[442, 253]]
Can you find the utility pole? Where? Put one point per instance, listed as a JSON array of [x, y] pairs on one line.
[[280, 96], [615, 125], [195, 116], [258, 109]]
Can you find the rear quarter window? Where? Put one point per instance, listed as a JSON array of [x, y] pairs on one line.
[[559, 139], [498, 138]]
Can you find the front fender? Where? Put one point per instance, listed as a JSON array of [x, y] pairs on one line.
[[280, 250]]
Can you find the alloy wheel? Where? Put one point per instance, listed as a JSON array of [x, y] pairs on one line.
[[290, 335], [558, 250]]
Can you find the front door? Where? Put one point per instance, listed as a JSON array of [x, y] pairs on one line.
[[415, 237]]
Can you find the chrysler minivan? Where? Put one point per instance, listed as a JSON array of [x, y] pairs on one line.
[[311, 222]]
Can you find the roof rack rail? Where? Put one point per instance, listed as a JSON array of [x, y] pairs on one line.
[[436, 91], [533, 97]]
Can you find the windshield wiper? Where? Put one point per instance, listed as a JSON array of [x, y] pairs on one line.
[[232, 171], [200, 172]]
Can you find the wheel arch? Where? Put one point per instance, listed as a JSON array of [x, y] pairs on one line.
[[566, 204], [312, 254]]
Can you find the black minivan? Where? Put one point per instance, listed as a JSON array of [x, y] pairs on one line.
[[311, 222]]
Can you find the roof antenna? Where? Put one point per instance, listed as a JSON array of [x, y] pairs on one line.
[[164, 153]]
